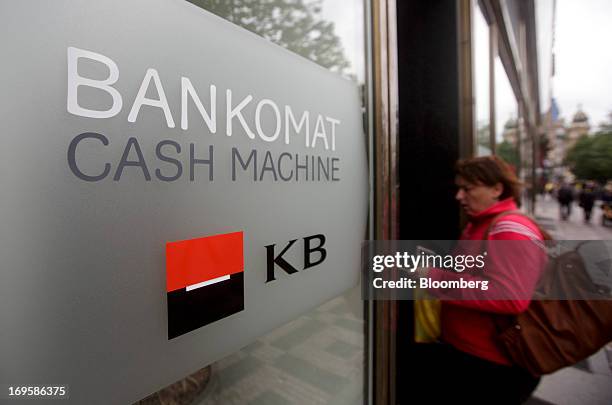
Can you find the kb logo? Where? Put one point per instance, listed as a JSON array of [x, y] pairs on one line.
[[309, 249]]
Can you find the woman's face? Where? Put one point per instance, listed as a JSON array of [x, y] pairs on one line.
[[475, 198]]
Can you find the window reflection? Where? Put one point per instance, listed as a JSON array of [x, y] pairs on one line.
[[481, 83], [315, 29], [318, 357], [506, 116]]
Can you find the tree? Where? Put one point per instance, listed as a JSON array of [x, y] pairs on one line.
[[293, 24], [591, 157], [509, 153], [606, 126]]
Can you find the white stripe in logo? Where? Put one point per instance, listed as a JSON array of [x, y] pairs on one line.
[[209, 282]]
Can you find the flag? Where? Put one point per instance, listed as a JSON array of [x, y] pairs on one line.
[[554, 110], [204, 281]]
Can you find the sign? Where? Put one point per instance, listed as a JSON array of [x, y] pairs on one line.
[[132, 130]]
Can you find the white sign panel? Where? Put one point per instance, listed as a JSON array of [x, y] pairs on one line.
[[173, 187]]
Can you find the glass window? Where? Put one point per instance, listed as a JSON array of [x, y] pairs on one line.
[[330, 33], [507, 121], [481, 83], [318, 357]]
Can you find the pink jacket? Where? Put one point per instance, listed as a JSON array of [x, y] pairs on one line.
[[468, 323]]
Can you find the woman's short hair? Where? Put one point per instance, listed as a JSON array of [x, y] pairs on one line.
[[488, 171]]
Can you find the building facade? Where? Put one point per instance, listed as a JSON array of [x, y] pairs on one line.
[[560, 139]]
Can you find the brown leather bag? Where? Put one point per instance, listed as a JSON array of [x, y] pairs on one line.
[[551, 333]]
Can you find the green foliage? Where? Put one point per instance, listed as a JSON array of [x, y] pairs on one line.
[[293, 24], [509, 153], [591, 157], [607, 125]]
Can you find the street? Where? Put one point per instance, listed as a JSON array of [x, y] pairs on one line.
[[547, 213], [589, 382]]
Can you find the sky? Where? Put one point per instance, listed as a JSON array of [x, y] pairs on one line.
[[583, 62]]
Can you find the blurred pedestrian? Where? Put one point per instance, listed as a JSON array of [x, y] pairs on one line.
[[548, 191], [565, 197], [587, 200], [606, 195], [606, 204]]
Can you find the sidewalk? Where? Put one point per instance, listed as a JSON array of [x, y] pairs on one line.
[[589, 382], [547, 213]]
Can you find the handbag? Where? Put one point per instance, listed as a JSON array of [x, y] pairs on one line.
[[552, 334]]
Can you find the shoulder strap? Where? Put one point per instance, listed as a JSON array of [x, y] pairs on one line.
[[545, 235]]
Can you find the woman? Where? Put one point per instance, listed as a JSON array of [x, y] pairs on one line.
[[469, 365]]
